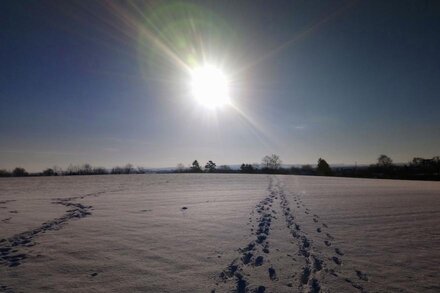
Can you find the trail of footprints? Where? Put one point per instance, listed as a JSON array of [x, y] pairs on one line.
[[258, 250], [255, 253], [4, 206], [316, 262], [11, 249]]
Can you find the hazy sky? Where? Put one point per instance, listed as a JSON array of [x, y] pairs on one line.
[[104, 82]]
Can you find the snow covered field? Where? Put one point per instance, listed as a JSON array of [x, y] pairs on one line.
[[222, 233]]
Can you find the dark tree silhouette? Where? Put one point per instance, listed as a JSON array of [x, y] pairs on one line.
[[247, 168], [307, 170], [196, 167], [100, 171], [49, 172], [19, 172], [86, 169], [5, 173], [117, 170], [210, 166], [323, 168], [384, 161]]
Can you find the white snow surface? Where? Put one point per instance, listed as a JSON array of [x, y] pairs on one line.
[[218, 233]]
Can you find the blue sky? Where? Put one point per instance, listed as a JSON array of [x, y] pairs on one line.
[[346, 81]]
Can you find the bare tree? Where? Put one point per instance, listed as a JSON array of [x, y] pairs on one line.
[[117, 170], [128, 169], [180, 168], [86, 169], [99, 171], [384, 161], [57, 171], [272, 162], [72, 170]]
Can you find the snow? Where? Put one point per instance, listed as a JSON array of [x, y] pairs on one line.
[[131, 233]]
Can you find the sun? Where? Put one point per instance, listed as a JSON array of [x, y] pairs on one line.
[[210, 86]]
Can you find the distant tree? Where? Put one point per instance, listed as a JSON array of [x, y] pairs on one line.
[[5, 173], [196, 167], [417, 161], [69, 169], [426, 167], [436, 164], [224, 169], [48, 172], [384, 161], [307, 170], [73, 170], [99, 171], [128, 169], [86, 169], [180, 168], [117, 170], [323, 168], [210, 166], [247, 168], [19, 172], [57, 171], [272, 162]]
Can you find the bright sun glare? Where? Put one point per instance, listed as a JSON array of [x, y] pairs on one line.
[[210, 87]]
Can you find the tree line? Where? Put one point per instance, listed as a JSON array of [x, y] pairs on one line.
[[418, 168], [384, 168], [72, 170], [270, 164]]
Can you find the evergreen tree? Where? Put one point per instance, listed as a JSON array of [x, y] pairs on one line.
[[196, 167], [323, 168], [210, 166]]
